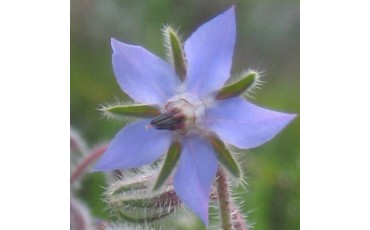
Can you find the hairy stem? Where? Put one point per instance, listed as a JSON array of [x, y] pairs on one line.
[[238, 219], [87, 161], [224, 200], [77, 218], [231, 218]]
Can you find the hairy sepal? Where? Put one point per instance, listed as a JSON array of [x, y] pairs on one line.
[[169, 164], [225, 157], [243, 84], [121, 111], [175, 51]]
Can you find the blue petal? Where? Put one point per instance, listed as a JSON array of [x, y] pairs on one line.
[[209, 52], [134, 146], [143, 76], [195, 172], [243, 124]]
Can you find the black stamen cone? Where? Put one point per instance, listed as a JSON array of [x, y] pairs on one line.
[[169, 121]]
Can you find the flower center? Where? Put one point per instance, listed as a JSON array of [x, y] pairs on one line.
[[181, 113]]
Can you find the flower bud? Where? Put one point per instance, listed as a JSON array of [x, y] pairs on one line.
[[144, 205], [134, 201]]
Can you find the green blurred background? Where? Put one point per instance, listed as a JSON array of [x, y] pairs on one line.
[[267, 39]]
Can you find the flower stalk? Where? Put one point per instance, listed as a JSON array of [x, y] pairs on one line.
[[231, 218], [238, 219], [87, 161], [78, 220], [224, 200]]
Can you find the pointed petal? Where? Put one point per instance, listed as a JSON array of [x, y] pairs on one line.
[[134, 146], [209, 52], [243, 124], [195, 172], [143, 76]]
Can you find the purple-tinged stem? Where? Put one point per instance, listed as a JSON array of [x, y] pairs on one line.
[[224, 200], [77, 217], [238, 219], [74, 144], [231, 218], [87, 161]]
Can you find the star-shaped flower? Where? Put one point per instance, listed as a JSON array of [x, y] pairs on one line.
[[193, 112]]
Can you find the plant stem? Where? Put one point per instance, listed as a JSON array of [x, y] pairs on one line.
[[224, 199], [89, 159], [238, 219], [77, 218], [231, 218]]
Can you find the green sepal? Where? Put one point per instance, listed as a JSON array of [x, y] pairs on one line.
[[138, 110], [143, 215], [172, 157], [148, 200], [238, 87], [225, 157], [129, 185], [177, 53]]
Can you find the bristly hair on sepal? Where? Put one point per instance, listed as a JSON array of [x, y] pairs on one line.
[[257, 84], [243, 84], [179, 219], [127, 111], [174, 50], [134, 205]]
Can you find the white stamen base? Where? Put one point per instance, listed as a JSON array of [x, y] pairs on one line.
[[192, 108]]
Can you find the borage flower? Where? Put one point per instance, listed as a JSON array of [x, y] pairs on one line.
[[187, 111]]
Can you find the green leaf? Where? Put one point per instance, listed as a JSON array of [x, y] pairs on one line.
[[172, 157], [139, 110], [225, 157], [238, 87], [176, 52]]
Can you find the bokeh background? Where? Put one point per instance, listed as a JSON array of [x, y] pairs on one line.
[[267, 39]]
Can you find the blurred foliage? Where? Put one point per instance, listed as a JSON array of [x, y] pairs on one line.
[[267, 39]]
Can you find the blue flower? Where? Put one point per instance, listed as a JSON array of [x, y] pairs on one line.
[[190, 111]]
